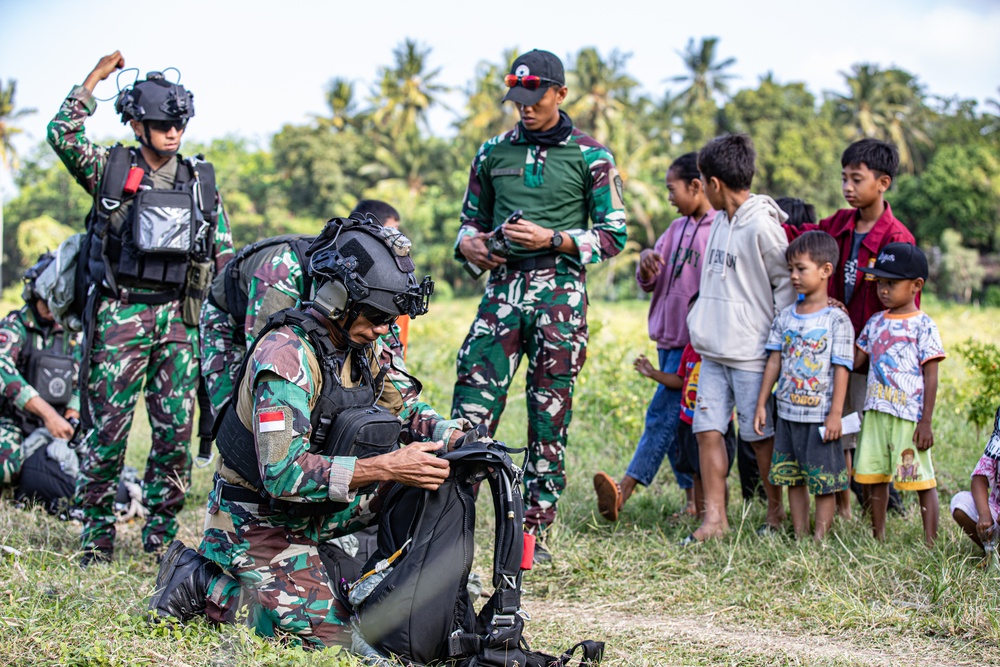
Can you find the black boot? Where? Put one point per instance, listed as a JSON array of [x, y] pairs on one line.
[[182, 583]]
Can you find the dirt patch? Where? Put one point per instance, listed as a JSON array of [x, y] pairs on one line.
[[756, 645]]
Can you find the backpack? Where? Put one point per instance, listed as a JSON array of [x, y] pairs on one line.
[[58, 284], [412, 602]]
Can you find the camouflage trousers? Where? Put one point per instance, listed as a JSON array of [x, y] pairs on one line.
[[221, 355], [541, 314], [135, 347], [274, 579], [11, 438]]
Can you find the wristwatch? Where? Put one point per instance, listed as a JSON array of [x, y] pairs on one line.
[[557, 240]]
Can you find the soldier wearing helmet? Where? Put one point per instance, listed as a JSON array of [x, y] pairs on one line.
[[155, 235], [38, 366], [309, 444]]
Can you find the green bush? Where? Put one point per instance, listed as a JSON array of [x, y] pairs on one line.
[[982, 394]]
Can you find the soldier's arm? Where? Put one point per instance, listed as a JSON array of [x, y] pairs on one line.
[[13, 386], [65, 132], [477, 207], [607, 235], [223, 245]]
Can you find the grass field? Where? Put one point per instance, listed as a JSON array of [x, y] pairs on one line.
[[743, 600]]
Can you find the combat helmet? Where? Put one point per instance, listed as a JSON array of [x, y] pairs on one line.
[[155, 98], [361, 266], [29, 292]]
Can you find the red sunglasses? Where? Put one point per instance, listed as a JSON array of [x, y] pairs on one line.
[[531, 82]]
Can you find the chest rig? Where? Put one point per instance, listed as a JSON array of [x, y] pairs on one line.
[[46, 363], [145, 235], [345, 420]]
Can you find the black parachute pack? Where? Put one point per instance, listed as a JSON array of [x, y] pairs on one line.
[[232, 298], [345, 421], [412, 604]]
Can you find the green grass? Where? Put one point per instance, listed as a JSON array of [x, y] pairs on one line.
[[739, 601]]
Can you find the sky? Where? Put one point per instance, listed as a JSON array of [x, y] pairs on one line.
[[255, 66]]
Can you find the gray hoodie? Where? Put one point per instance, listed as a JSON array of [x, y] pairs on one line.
[[744, 284]]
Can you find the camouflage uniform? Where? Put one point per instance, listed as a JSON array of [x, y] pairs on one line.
[[134, 345], [277, 283], [538, 312], [274, 577], [15, 391]]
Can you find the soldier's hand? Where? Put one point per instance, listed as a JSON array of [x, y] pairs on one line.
[[59, 427], [415, 465], [528, 235], [473, 248], [103, 69], [71, 414]]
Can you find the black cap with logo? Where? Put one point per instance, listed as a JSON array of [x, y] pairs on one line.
[[899, 261], [546, 66]]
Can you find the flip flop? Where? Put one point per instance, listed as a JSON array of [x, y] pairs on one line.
[[609, 496], [690, 541]]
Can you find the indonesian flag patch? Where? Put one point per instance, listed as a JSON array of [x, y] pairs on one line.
[[271, 420]]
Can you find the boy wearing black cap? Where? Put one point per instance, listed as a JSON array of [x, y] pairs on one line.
[[904, 348], [567, 187]]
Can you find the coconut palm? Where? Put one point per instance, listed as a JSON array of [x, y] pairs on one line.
[[406, 91], [9, 115], [341, 102], [705, 78], [485, 113], [888, 105], [599, 92]]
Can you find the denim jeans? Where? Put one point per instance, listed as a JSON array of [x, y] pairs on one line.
[[659, 438]]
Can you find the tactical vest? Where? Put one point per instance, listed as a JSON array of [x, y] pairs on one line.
[[345, 421], [229, 291], [147, 238], [50, 369]]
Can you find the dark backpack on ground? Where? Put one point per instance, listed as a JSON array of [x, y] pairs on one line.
[[413, 604]]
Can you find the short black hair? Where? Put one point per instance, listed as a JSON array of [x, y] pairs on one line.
[[381, 210], [799, 212], [820, 247], [879, 156], [685, 168], [730, 158]]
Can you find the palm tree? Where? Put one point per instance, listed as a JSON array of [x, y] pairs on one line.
[[485, 113], [705, 77], [600, 92], [888, 105], [340, 100], [8, 154], [406, 91]]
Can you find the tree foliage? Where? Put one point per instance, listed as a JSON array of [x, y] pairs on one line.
[[380, 146]]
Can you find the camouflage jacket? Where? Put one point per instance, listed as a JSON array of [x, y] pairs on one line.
[[557, 187], [18, 329], [86, 160], [276, 396]]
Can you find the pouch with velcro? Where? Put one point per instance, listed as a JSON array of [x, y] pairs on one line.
[[165, 222]]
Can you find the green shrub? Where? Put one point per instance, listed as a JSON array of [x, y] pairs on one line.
[[982, 393]]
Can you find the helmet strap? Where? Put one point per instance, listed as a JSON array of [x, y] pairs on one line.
[[147, 141]]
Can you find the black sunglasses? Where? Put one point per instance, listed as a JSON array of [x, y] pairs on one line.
[[167, 125], [377, 316]]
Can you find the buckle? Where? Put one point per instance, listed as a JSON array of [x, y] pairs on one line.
[[109, 204]]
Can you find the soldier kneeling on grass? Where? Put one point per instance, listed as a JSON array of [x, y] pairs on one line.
[[39, 363], [309, 445]]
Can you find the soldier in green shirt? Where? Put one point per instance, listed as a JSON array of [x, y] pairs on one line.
[[569, 192]]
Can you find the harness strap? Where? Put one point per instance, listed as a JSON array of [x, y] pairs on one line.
[[127, 296]]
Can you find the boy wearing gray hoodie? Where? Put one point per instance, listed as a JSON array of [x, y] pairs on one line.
[[744, 283]]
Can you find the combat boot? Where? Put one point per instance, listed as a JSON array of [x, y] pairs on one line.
[[182, 584]]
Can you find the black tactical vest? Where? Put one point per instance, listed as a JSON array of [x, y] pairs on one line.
[[48, 368], [161, 232], [345, 421]]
